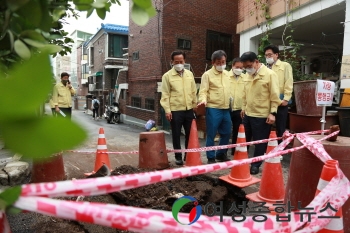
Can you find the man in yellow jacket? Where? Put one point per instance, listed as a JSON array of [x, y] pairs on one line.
[[259, 103], [62, 96], [284, 72], [215, 94], [238, 81], [178, 100]]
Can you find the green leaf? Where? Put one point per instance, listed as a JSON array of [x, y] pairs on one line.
[[89, 12], [98, 4], [51, 48], [10, 195], [41, 137], [27, 86], [31, 13], [151, 12], [22, 50], [15, 4], [139, 15], [57, 13], [13, 210], [144, 4], [34, 43], [101, 12], [31, 34], [83, 5], [46, 18]]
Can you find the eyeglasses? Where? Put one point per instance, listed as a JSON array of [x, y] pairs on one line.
[[269, 55]]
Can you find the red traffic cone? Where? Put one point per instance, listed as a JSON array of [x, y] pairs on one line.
[[240, 175], [101, 158], [328, 172], [272, 184], [193, 158]]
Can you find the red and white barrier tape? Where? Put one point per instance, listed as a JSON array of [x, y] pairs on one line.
[[99, 186], [202, 149], [144, 220]]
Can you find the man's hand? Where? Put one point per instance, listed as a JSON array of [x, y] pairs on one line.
[[284, 103], [202, 103], [57, 109], [242, 114], [169, 116], [270, 119], [69, 85]]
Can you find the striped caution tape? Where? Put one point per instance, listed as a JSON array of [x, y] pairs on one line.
[[146, 220], [203, 149], [99, 186], [33, 198]]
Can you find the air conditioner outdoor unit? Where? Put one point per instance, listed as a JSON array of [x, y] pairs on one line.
[[187, 66], [92, 87]]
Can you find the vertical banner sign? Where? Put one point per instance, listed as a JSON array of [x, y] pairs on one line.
[[324, 93]]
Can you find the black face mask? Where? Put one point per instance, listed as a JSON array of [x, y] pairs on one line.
[[64, 82]]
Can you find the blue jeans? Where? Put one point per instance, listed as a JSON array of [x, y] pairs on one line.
[[258, 129], [217, 121]]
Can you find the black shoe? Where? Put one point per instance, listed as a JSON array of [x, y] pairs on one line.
[[210, 161], [222, 158], [179, 162], [254, 170]]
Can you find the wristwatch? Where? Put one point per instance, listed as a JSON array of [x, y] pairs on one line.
[[274, 113]]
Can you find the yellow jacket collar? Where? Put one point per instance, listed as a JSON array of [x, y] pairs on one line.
[[215, 71]]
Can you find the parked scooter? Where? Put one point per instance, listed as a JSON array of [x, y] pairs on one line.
[[112, 113]]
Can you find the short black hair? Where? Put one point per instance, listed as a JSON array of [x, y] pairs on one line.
[[235, 60], [248, 56], [218, 54], [94, 97], [274, 48], [178, 52], [64, 74]]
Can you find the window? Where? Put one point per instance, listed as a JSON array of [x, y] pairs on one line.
[[136, 102], [218, 41], [183, 44], [91, 56], [116, 43], [123, 94], [149, 104], [135, 56]]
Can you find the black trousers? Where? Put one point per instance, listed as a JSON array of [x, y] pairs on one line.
[[236, 121], [95, 111], [67, 111], [181, 119], [258, 129], [281, 121]]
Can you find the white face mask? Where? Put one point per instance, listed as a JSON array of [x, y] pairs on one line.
[[270, 60], [179, 67], [220, 68], [237, 71], [250, 71]]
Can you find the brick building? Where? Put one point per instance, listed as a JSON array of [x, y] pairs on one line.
[[106, 62], [198, 27]]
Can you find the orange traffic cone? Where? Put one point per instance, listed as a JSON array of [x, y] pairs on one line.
[[328, 172], [193, 158], [101, 158], [272, 144], [272, 184], [240, 175]]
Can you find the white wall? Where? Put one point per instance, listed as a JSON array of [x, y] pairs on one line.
[[249, 39]]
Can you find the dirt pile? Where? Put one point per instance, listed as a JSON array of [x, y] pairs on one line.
[[161, 196]]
